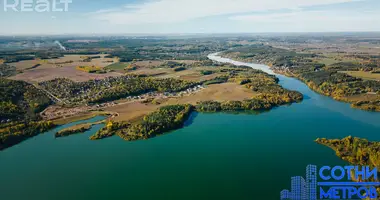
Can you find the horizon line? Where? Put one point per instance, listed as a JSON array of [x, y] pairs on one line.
[[181, 34]]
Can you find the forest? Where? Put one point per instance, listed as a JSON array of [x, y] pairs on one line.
[[20, 101], [15, 134], [165, 119], [355, 150], [20, 104], [110, 129]]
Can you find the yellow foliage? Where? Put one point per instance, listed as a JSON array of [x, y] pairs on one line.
[[109, 124], [89, 69]]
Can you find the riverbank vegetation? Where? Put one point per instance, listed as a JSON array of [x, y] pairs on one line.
[[109, 130], [355, 150], [14, 134], [325, 79], [81, 128], [165, 119]]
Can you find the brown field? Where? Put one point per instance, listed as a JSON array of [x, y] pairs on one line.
[[363, 97], [79, 117], [63, 62], [222, 92], [131, 111], [192, 74], [198, 77], [219, 92], [363, 75], [40, 75], [22, 65], [155, 63], [60, 68], [152, 72]]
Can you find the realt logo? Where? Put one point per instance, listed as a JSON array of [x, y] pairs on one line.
[[36, 5]]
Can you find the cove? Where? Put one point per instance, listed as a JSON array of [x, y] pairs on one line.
[[217, 156]]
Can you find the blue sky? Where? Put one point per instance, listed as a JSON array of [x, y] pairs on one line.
[[195, 16]]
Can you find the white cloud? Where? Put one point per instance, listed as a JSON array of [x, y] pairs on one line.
[[169, 11], [319, 21], [311, 16]]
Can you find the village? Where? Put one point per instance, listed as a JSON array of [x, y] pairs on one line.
[[57, 112]]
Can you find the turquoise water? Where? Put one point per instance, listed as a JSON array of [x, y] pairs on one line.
[[216, 156]]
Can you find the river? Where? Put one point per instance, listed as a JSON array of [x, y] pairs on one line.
[[216, 156]]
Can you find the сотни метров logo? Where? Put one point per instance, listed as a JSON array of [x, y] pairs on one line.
[[348, 182], [36, 5]]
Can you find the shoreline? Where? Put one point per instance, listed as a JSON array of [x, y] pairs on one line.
[[276, 71]]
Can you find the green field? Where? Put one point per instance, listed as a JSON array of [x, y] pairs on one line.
[[118, 66], [363, 75]]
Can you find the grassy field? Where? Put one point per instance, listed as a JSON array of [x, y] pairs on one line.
[[40, 75], [66, 61], [331, 58], [363, 75], [363, 97], [79, 117], [132, 111], [118, 66], [221, 92], [64, 67], [218, 92]]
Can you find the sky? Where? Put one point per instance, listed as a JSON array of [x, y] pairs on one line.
[[189, 16]]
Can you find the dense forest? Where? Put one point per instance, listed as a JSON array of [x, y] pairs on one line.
[[327, 80], [165, 119], [20, 101], [355, 150], [20, 104], [15, 134]]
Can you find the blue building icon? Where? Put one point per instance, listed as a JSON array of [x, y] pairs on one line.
[[302, 189], [298, 188], [286, 195], [311, 182]]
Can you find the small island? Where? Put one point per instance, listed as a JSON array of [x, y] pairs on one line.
[[81, 128]]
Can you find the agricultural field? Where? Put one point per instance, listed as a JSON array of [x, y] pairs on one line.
[[131, 111], [65, 61], [41, 75], [219, 92], [33, 71], [364, 75], [222, 92]]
